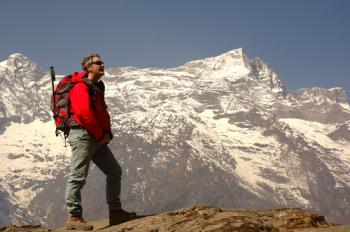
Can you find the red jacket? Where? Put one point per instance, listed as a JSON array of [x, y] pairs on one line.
[[88, 106]]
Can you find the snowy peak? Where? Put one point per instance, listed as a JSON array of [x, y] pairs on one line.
[[23, 93], [235, 54], [336, 95], [232, 65], [21, 67], [17, 56], [17, 60], [236, 67], [233, 59]]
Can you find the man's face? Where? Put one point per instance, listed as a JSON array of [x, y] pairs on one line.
[[96, 67]]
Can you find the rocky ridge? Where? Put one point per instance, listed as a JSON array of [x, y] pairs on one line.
[[202, 218]]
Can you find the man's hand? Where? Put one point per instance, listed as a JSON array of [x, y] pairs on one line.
[[106, 139]]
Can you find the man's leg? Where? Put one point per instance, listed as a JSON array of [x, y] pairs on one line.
[[82, 150], [106, 162]]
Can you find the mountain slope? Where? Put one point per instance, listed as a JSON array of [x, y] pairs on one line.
[[222, 130]]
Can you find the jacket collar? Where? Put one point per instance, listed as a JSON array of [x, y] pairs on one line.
[[78, 77], [82, 77]]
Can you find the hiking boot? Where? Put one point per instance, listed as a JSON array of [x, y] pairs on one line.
[[120, 216], [78, 223]]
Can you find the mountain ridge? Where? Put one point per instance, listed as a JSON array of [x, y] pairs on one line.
[[228, 124]]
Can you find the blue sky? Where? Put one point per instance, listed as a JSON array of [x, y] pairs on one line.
[[305, 41]]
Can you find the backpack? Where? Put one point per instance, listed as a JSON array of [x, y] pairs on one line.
[[61, 105]]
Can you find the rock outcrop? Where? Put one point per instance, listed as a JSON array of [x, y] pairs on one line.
[[213, 219], [27, 228]]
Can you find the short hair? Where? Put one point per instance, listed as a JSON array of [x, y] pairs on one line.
[[87, 60]]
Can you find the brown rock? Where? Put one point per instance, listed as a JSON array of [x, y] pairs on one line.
[[26, 228], [213, 219]]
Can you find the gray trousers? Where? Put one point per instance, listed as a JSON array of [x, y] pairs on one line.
[[84, 149]]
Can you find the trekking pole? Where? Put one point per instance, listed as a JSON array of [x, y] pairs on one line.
[[53, 78], [53, 99]]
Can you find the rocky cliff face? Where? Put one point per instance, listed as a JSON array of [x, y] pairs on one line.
[[223, 131]]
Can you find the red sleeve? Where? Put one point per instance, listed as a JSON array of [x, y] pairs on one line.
[[82, 111]]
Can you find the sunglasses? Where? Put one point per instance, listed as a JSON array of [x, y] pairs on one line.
[[99, 62]]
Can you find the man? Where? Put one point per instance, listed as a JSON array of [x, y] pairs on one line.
[[89, 136]]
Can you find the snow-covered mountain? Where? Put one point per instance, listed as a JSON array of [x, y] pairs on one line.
[[222, 130], [23, 91]]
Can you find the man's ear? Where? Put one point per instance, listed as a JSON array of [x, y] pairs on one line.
[[88, 68]]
